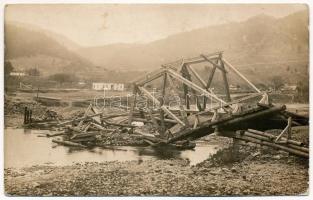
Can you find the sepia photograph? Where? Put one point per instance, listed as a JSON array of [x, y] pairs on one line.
[[168, 99]]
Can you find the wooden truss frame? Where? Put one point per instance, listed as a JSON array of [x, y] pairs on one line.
[[183, 71]]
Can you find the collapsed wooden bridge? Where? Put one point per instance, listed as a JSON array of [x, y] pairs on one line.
[[197, 111]]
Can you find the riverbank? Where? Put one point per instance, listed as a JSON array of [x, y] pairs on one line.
[[237, 170], [260, 175]]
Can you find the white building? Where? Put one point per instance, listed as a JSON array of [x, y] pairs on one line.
[[108, 86], [17, 74]]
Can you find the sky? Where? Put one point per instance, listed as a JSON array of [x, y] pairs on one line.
[[100, 24]]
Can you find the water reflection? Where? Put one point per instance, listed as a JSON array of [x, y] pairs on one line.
[[27, 131], [24, 148], [159, 152]]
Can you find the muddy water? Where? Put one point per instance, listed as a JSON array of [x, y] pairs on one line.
[[24, 148]]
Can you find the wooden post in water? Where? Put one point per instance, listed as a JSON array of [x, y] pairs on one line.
[[30, 116], [25, 115]]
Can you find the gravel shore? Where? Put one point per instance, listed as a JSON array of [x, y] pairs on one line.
[[256, 175]]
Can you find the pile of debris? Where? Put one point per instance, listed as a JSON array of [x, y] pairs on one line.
[[95, 127], [200, 111], [87, 129]]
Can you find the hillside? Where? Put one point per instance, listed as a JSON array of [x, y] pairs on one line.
[[28, 48], [260, 39]]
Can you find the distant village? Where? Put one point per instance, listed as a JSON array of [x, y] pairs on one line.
[[32, 79], [284, 88]]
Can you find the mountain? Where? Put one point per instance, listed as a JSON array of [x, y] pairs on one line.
[[261, 47], [28, 47], [61, 39], [260, 39]]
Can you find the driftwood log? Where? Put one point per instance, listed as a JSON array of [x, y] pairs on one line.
[[68, 143]]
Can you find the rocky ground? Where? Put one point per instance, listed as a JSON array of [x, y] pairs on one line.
[[259, 174]]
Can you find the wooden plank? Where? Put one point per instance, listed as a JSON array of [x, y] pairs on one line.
[[78, 119], [143, 79], [207, 127], [55, 134], [68, 143], [152, 78], [85, 114], [82, 135], [84, 139], [286, 130], [97, 126], [172, 115], [288, 149], [273, 137], [96, 110]]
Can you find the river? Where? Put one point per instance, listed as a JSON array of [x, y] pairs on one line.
[[23, 148]]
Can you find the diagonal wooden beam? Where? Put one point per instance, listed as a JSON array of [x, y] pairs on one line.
[[172, 115], [194, 86], [240, 75], [286, 130], [214, 64], [167, 111], [197, 76], [149, 95], [150, 78], [211, 77]]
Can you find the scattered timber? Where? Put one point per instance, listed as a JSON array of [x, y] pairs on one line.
[[68, 143], [55, 134], [289, 149]]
